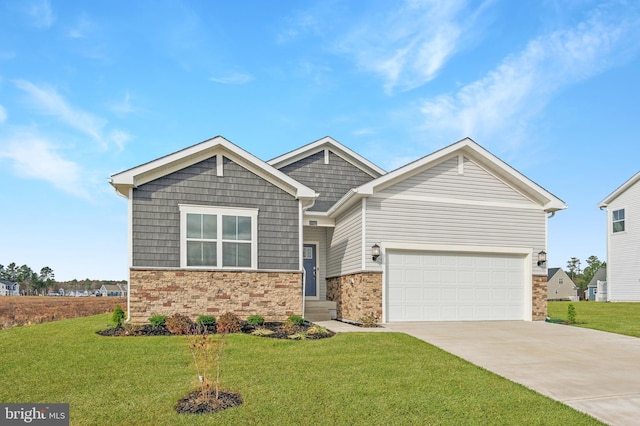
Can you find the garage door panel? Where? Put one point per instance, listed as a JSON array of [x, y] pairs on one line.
[[427, 286]]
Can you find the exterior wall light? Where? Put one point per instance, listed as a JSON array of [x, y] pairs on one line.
[[375, 252], [542, 258]]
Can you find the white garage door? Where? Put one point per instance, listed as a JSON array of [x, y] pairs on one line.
[[442, 286]]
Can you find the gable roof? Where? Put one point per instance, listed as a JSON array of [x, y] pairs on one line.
[[468, 147], [163, 166], [600, 275], [622, 188], [551, 272], [334, 146], [112, 287]]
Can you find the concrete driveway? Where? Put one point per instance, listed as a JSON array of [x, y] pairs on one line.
[[592, 371]]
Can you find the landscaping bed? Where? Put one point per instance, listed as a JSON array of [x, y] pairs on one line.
[[273, 330]]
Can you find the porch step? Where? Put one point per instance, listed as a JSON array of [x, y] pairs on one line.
[[319, 310]]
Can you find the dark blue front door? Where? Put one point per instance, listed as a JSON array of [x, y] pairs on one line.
[[309, 263]]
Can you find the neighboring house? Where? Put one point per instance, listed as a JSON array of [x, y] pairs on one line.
[[560, 286], [598, 286], [623, 241], [113, 290], [9, 288], [455, 235]]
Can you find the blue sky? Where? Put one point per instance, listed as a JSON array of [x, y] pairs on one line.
[[88, 89]]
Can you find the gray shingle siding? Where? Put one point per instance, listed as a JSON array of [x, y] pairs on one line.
[[331, 180], [156, 215]]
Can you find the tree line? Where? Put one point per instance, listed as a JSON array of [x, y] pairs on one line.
[[30, 282], [582, 277], [44, 282]]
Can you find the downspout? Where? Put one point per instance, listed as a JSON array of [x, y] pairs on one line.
[[130, 250]]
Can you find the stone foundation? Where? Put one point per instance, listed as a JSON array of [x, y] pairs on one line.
[[539, 302], [356, 295], [274, 295]]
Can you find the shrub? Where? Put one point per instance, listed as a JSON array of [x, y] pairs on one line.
[[262, 332], [229, 323], [255, 320], [318, 330], [206, 320], [295, 320], [571, 313], [158, 320], [301, 335], [370, 320], [179, 324], [118, 316]]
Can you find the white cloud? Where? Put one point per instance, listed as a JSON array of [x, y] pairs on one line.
[[301, 23], [35, 157], [41, 14], [51, 103], [506, 99], [232, 78], [407, 45], [364, 132], [120, 138], [123, 107], [82, 28], [3, 114]]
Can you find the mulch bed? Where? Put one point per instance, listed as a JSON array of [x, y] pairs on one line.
[[194, 403], [280, 331]]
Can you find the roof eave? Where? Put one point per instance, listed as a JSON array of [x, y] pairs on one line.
[[619, 190]]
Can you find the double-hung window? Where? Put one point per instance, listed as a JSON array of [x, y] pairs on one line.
[[617, 218], [218, 237]]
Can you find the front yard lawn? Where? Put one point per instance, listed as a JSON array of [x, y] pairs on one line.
[[619, 317], [352, 378]]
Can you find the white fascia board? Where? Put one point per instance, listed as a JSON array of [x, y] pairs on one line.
[[335, 147], [347, 201], [622, 188], [321, 219], [528, 188], [178, 160]]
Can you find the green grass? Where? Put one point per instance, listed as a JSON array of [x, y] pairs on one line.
[[620, 318], [352, 378]]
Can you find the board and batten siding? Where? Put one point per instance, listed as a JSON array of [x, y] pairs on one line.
[[332, 181], [623, 252], [156, 214], [344, 244], [318, 234], [441, 206]]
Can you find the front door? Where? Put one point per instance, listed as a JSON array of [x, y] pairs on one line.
[[310, 269]]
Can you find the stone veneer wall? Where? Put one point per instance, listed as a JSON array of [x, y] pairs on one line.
[[356, 295], [539, 302], [274, 295]]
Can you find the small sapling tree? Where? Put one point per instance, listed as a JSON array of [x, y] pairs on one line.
[[571, 313], [118, 316]]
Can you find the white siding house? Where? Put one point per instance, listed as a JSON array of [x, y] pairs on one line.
[[623, 241]]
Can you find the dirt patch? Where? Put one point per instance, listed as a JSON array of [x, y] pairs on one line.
[[195, 403], [27, 310]]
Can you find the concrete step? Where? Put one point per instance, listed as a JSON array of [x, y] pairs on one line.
[[319, 310]]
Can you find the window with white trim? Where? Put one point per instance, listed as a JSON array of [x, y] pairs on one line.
[[218, 237], [617, 218]]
